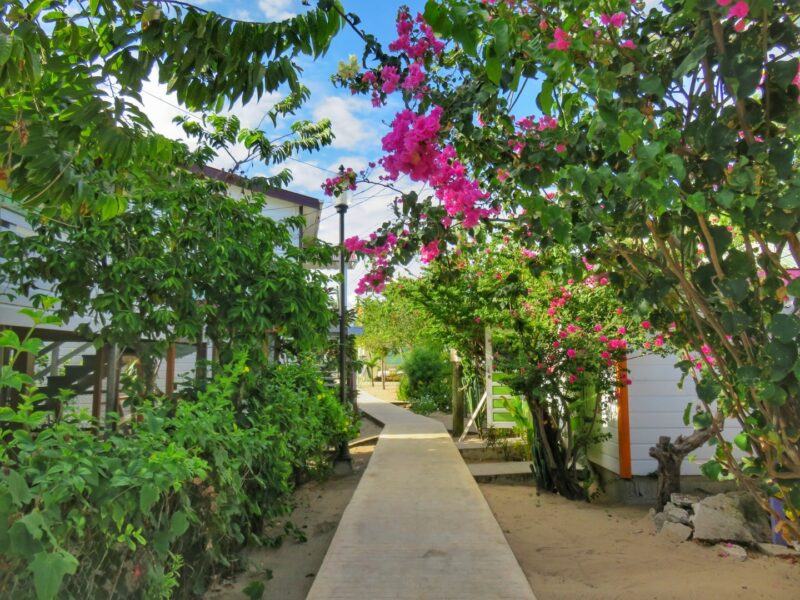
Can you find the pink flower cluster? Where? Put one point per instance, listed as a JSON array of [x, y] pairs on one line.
[[615, 20], [415, 44], [429, 251], [346, 180], [412, 149], [375, 280], [738, 10], [560, 41]]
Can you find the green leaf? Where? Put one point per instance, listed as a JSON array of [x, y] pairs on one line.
[[773, 394], [494, 69], [742, 441], [20, 493], [697, 202], [793, 288], [702, 420], [178, 524], [147, 497], [5, 48], [708, 390], [785, 327], [48, 570], [712, 469], [687, 412], [626, 140], [500, 32], [254, 590]]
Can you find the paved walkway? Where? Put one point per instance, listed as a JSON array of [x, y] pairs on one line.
[[417, 526]]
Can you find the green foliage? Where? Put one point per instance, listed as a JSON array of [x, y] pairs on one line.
[[154, 508], [426, 380], [73, 133]]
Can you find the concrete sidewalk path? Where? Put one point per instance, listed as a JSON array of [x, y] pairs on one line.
[[417, 526]]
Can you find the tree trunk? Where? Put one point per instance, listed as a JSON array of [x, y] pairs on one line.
[[550, 459], [670, 457], [383, 374]]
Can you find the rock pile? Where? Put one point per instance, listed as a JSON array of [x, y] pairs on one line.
[[723, 518]]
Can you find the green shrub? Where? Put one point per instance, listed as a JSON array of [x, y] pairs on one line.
[[426, 380], [158, 506]]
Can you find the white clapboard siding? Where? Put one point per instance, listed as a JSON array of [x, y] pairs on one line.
[[606, 453], [656, 405]]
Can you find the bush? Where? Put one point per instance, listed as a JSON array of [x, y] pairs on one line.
[[159, 506], [426, 380]]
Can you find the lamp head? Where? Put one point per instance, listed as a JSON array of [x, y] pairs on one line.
[[342, 201]]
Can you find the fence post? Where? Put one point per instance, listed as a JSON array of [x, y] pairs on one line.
[[457, 395]]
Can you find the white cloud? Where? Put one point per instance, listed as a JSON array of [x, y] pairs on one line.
[[277, 10], [351, 132]]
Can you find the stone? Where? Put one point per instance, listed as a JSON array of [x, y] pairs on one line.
[[731, 517], [683, 500], [777, 550], [676, 531], [658, 520], [731, 551], [676, 514]]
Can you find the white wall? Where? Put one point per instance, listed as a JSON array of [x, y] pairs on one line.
[[656, 405]]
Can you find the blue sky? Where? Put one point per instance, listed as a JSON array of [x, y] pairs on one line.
[[357, 125]]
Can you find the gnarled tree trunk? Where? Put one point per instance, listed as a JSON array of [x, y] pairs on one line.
[[670, 457]]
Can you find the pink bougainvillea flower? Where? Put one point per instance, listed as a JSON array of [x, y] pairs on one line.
[[659, 341], [619, 310], [390, 78], [621, 330], [561, 148], [571, 352], [724, 2], [603, 339], [739, 10], [630, 44], [598, 328], [562, 41], [429, 251], [646, 324], [572, 379], [556, 344], [543, 26]]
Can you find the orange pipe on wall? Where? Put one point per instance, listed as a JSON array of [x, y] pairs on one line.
[[623, 421]]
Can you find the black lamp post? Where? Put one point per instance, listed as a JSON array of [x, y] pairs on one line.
[[343, 462]]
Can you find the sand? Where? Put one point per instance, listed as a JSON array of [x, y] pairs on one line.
[[575, 550]]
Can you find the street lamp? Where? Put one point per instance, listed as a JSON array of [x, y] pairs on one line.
[[343, 463]]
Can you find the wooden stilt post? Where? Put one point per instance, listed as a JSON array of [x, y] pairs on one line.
[[99, 374], [170, 383], [200, 361], [112, 377]]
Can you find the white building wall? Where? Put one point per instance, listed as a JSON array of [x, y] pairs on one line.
[[656, 405]]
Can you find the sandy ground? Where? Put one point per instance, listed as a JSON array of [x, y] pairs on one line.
[[288, 571], [389, 394], [576, 550]]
